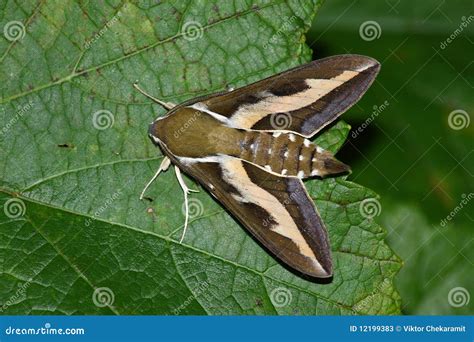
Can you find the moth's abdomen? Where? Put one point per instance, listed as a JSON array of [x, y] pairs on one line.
[[288, 154]]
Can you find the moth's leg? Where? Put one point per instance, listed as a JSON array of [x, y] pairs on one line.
[[167, 105], [165, 164], [186, 191]]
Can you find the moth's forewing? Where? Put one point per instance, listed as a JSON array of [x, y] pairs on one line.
[[276, 210], [314, 95]]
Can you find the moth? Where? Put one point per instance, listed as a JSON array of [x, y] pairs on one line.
[[236, 145]]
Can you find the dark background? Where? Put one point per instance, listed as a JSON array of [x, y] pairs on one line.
[[422, 168]]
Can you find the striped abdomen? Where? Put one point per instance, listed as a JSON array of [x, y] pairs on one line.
[[288, 154]]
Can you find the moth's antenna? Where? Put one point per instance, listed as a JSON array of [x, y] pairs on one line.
[[167, 105]]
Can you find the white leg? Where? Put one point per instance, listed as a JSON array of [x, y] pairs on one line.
[[165, 164], [186, 191]]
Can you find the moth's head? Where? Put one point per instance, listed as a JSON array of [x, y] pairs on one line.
[[153, 132], [161, 130], [158, 130]]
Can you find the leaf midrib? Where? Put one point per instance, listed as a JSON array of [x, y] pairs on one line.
[[167, 239]]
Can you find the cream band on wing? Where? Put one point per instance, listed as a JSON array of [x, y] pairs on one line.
[[235, 174], [249, 115]]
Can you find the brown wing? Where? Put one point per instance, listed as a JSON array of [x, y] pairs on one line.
[[276, 210], [311, 96]]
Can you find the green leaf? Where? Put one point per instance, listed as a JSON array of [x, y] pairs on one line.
[[437, 283], [75, 239], [409, 151], [415, 155]]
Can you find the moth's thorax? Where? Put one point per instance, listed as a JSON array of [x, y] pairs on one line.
[[191, 133]]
